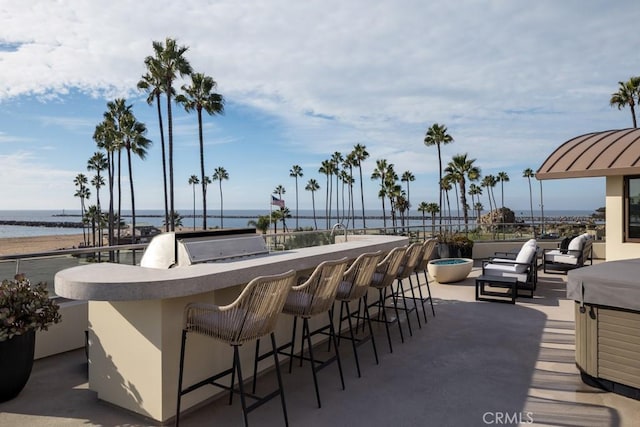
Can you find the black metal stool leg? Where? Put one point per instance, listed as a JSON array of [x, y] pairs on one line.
[[351, 334], [400, 289], [413, 298], [424, 313], [307, 335], [236, 363], [373, 340], [279, 376], [383, 316], [395, 307], [233, 376], [255, 366], [335, 344], [293, 342], [180, 377]]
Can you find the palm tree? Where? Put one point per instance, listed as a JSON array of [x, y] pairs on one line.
[[98, 163], [462, 169], [475, 190], [360, 154], [407, 177], [105, 139], [206, 182], [295, 172], [627, 94], [167, 63], [336, 161], [133, 133], [220, 174], [541, 206], [313, 186], [93, 216], [437, 135], [432, 209], [83, 193], [478, 208], [200, 96], [502, 177], [193, 181], [326, 169], [175, 218], [422, 208], [262, 223], [98, 182], [486, 183], [380, 172], [528, 173], [151, 82]]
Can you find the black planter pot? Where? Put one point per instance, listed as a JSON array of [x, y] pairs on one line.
[[16, 361]]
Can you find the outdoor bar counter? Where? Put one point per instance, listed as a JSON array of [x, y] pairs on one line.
[[607, 314], [136, 314]]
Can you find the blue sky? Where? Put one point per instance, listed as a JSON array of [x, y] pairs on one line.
[[512, 80]]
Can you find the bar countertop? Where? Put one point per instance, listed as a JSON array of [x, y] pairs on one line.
[[118, 282]]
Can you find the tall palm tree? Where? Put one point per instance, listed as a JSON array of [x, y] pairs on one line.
[[360, 154], [336, 161], [408, 177], [152, 82], [98, 181], [432, 209], [502, 177], [486, 183], [528, 173], [98, 163], [628, 94], [295, 172], [167, 63], [326, 169], [105, 139], [82, 193], [462, 169], [206, 182], [380, 172], [475, 190], [478, 208], [135, 142], [422, 208], [541, 206], [199, 96], [437, 135], [313, 186], [193, 181], [220, 174]]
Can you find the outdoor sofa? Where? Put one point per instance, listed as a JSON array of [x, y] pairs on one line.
[[561, 260]]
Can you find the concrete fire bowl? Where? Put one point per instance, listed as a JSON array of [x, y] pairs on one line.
[[448, 270]]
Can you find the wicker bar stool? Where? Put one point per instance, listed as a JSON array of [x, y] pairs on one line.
[[429, 247], [383, 278], [410, 262], [353, 287], [315, 296], [251, 316]]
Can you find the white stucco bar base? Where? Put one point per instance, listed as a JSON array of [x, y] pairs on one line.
[[135, 321]]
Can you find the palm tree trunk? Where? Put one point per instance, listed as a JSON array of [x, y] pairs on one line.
[[171, 201], [221, 204], [533, 228], [364, 224], [133, 203], [202, 176], [313, 203], [164, 165], [119, 192]]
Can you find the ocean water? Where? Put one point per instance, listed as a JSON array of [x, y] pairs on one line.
[[232, 219]]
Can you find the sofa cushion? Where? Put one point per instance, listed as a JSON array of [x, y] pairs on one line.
[[556, 256], [525, 256], [576, 243]]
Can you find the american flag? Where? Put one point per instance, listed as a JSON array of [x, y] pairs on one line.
[[277, 202]]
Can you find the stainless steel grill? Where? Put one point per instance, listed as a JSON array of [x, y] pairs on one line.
[[187, 248]]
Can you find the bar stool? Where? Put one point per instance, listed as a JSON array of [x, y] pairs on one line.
[[429, 246], [411, 259], [383, 278], [315, 296], [251, 316], [353, 287]]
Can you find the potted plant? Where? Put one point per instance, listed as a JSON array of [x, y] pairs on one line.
[[24, 308], [464, 245]]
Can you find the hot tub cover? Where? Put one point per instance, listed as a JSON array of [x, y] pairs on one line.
[[613, 284]]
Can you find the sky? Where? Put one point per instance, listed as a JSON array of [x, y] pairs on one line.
[[511, 80]]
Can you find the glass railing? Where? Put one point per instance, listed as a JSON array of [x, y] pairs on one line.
[[42, 267]]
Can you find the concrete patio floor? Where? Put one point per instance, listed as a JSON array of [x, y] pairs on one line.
[[475, 363]]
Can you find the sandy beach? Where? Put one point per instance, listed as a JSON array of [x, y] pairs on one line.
[[25, 245]]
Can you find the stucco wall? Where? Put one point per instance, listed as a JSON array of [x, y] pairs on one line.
[[616, 248]]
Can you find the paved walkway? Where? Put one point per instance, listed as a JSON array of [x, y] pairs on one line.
[[475, 363]]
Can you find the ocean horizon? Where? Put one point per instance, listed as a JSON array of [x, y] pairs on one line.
[[233, 218]]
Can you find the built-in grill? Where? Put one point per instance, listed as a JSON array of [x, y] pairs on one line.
[[187, 248]]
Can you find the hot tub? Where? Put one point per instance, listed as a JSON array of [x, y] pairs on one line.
[[607, 313]]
